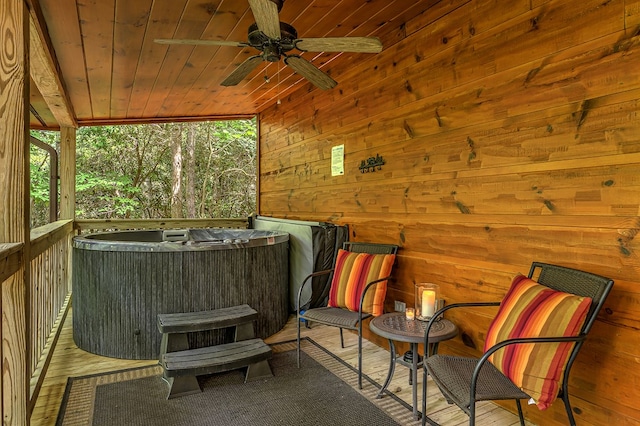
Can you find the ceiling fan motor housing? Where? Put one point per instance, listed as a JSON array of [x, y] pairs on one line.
[[273, 48]]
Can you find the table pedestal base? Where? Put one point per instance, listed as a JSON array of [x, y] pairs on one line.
[[413, 366], [395, 327]]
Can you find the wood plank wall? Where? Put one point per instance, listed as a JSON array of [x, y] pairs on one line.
[[511, 133]]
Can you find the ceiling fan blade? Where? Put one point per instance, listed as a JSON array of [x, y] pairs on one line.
[[201, 42], [265, 13], [310, 72], [340, 44], [242, 71]]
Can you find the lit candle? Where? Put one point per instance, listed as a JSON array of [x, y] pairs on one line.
[[428, 303], [410, 313]]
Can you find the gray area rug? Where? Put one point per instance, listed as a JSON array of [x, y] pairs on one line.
[[322, 392]]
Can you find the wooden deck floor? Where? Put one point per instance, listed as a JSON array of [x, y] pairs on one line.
[[69, 361]]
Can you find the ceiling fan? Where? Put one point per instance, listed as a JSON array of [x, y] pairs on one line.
[[275, 39]]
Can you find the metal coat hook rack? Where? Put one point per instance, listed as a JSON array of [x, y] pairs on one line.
[[371, 164]]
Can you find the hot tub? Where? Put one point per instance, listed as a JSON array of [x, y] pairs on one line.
[[123, 280]]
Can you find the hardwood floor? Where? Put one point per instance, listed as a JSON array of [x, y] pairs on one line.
[[69, 361]]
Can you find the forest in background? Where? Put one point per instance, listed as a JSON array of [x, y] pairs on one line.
[[153, 171]]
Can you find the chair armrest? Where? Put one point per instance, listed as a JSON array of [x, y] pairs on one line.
[[517, 341], [366, 289], [529, 340], [441, 311], [307, 280], [364, 293]]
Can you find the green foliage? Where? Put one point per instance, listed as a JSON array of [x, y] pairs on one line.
[[126, 171], [39, 177]]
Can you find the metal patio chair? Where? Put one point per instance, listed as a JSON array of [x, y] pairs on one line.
[[351, 317], [464, 381]]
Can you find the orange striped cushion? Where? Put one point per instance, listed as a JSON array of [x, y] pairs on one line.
[[533, 310], [352, 273]]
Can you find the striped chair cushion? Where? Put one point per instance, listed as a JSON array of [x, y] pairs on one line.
[[533, 310], [352, 273]]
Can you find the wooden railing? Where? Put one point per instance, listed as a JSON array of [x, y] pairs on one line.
[[12, 322], [49, 290], [10, 259], [49, 295]]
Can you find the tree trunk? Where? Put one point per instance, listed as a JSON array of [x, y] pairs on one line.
[[191, 170], [176, 149], [205, 181]]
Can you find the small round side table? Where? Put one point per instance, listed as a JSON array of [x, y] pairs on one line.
[[395, 327]]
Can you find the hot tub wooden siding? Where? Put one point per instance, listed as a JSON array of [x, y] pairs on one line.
[[118, 294]]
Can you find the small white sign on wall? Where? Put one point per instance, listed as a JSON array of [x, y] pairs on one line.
[[337, 160]]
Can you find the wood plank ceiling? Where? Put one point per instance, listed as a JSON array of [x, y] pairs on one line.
[[112, 71]]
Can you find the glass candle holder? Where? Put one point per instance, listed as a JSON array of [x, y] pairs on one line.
[[410, 314], [426, 296]]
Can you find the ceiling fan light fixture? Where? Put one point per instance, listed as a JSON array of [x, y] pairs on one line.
[[271, 53]]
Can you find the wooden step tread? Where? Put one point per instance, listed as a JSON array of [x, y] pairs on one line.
[[215, 359], [186, 322]]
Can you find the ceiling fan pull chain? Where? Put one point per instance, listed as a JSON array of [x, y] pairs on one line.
[[278, 89]]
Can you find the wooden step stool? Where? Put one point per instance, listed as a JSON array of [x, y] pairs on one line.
[[181, 364]]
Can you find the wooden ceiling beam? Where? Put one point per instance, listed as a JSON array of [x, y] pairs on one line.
[[45, 71], [151, 120]]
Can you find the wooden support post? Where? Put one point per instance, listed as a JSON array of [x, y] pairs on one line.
[[258, 169], [14, 208], [67, 173], [68, 183]]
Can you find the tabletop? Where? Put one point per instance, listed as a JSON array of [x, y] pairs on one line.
[[395, 326]]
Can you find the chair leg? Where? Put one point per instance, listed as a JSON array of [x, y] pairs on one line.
[[472, 413], [567, 405], [359, 358], [298, 342], [424, 394], [341, 339], [520, 414]]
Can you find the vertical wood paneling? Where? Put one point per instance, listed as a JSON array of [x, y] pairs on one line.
[[510, 134]]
